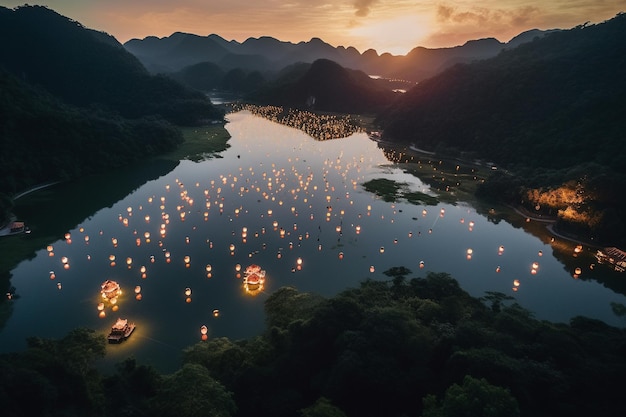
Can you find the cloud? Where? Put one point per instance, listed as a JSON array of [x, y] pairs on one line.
[[363, 7]]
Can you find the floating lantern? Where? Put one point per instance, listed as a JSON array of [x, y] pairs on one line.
[[188, 300], [421, 264], [187, 259], [238, 267], [540, 253], [102, 314], [52, 275], [187, 291], [204, 330], [382, 249], [216, 313], [372, 269], [50, 248], [340, 255], [516, 282], [129, 261], [299, 261], [114, 241], [578, 271], [100, 306], [498, 268], [500, 250], [59, 286], [470, 251]]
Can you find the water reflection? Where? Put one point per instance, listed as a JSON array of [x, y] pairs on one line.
[[280, 202]]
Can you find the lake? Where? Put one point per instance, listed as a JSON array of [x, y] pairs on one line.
[[182, 237]]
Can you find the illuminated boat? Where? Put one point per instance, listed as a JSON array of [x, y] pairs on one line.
[[121, 331], [613, 256], [253, 278], [110, 289]]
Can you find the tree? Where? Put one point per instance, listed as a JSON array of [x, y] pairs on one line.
[[192, 392], [322, 408], [475, 398]]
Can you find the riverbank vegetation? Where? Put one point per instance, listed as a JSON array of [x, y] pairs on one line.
[[405, 346]]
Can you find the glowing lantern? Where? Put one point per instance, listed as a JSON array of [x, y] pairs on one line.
[[421, 264], [204, 330], [498, 268], [340, 255], [372, 269], [102, 314], [187, 291], [382, 249], [216, 313], [100, 306], [238, 267], [137, 289], [59, 286], [52, 275], [188, 300], [129, 261], [578, 271]]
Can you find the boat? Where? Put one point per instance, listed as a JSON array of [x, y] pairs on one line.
[[253, 278], [121, 331], [110, 289], [613, 256]]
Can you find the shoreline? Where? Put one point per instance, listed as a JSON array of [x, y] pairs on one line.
[[5, 229]]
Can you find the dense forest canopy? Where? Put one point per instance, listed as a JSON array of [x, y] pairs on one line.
[[550, 111], [404, 347]]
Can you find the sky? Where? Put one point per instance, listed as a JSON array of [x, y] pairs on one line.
[[394, 26]]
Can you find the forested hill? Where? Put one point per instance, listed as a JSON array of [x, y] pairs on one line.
[[554, 102], [86, 68], [325, 85], [74, 102], [551, 110]]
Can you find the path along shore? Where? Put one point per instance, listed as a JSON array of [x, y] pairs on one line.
[[5, 229]]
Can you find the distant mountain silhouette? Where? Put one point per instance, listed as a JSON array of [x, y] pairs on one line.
[[324, 85], [173, 53]]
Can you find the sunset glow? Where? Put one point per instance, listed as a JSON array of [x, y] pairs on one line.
[[395, 26]]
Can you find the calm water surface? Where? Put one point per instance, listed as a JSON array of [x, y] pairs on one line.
[[277, 196]]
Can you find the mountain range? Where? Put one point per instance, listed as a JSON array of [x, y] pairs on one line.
[[269, 55]]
